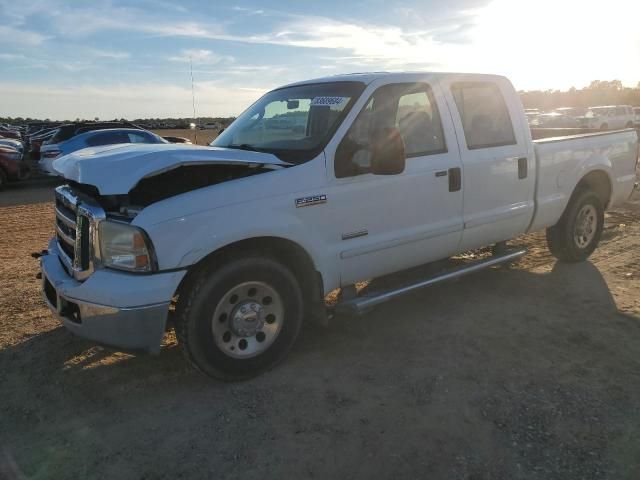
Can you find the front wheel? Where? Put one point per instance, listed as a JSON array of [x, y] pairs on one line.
[[577, 233], [240, 319]]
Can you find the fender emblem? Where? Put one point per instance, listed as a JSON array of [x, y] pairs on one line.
[[308, 201]]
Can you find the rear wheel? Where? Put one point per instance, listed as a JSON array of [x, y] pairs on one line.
[[240, 319], [3, 180], [604, 126], [629, 125], [578, 232]]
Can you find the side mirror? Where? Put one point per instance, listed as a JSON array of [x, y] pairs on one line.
[[387, 152]]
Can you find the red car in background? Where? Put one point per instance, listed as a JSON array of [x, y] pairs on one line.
[[12, 167]]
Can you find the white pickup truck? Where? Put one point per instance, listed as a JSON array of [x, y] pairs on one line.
[[316, 186]]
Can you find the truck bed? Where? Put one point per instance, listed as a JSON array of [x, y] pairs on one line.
[[562, 160]]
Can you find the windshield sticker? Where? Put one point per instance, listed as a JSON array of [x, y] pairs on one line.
[[327, 101]]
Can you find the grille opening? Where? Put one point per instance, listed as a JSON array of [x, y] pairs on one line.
[[70, 311], [50, 293], [66, 248]]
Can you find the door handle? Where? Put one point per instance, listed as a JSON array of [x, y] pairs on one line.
[[522, 167], [441, 173], [455, 179]]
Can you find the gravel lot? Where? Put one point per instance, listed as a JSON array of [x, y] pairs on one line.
[[523, 372]]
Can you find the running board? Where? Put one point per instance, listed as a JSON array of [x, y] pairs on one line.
[[359, 305]]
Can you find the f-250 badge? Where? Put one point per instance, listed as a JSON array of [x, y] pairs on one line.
[[308, 201]]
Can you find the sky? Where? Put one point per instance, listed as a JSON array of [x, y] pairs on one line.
[[67, 59]]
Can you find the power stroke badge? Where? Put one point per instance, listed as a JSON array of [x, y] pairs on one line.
[[308, 201]]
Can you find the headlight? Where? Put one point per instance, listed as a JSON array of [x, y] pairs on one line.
[[125, 247]]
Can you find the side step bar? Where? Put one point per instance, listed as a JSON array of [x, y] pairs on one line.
[[359, 305]]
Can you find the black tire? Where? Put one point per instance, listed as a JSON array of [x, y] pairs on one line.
[[3, 180], [604, 126], [205, 294], [629, 125], [561, 237]]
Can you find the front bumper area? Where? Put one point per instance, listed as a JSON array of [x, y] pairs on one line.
[[118, 309]]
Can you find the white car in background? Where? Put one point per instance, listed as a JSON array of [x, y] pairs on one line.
[[93, 138], [609, 118], [636, 113], [573, 112]]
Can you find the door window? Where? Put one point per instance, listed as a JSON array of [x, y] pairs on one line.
[[408, 107], [140, 137], [107, 138], [484, 114]]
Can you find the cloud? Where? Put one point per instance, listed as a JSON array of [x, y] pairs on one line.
[[11, 56], [124, 101], [249, 11], [201, 57], [108, 54], [19, 36]]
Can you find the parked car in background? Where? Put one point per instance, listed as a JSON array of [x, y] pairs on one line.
[[555, 120], [93, 138], [177, 140], [36, 141], [10, 142], [12, 166], [636, 115], [210, 126], [609, 117], [532, 114], [10, 133], [70, 130], [573, 112]]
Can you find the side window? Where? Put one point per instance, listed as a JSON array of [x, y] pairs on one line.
[[139, 138], [419, 124], [485, 117], [107, 138], [408, 107]]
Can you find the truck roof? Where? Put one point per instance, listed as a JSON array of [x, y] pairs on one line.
[[368, 77]]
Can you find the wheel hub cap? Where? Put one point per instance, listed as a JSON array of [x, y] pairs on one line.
[[585, 226], [247, 318]]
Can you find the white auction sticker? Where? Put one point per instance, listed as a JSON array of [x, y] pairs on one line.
[[327, 101]]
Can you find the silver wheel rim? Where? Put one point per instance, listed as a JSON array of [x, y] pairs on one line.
[[585, 226], [247, 320]]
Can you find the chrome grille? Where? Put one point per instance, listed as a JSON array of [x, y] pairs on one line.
[[76, 227]]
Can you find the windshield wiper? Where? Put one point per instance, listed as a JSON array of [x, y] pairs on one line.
[[243, 146]]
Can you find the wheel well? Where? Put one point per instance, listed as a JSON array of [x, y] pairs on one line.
[[598, 182], [284, 251]]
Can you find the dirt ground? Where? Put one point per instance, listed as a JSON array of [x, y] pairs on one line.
[[524, 372]]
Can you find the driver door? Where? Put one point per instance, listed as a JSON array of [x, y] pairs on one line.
[[387, 223]]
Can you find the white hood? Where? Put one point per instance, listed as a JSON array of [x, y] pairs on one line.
[[116, 169]]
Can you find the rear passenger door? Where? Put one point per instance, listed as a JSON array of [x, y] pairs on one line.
[[497, 159]]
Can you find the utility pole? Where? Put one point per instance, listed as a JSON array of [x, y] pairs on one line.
[[193, 102]]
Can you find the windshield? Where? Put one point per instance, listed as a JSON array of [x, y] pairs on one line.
[[293, 123], [595, 111]]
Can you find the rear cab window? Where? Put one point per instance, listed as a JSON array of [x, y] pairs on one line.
[[484, 114]]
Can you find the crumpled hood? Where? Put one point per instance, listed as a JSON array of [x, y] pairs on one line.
[[116, 169]]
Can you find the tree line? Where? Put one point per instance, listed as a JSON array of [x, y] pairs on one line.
[[599, 92]]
